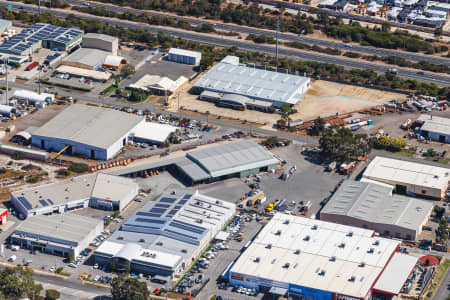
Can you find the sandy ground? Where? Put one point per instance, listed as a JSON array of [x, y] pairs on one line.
[[323, 99]]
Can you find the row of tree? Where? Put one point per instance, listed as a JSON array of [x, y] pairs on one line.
[[211, 53], [255, 16]]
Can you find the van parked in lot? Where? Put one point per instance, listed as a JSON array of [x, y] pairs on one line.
[[13, 258], [15, 248]]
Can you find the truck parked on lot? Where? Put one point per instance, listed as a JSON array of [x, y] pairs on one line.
[[31, 66], [305, 208]]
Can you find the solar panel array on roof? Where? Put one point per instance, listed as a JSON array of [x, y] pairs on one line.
[[38, 33], [182, 201], [141, 213], [150, 221], [167, 200], [50, 201], [162, 205], [43, 202], [157, 210], [25, 202]]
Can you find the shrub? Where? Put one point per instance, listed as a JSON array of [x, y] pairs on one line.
[[64, 172], [52, 295], [78, 168]]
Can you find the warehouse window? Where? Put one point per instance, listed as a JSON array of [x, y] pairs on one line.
[[424, 192]]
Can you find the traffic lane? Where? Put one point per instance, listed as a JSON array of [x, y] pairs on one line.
[[443, 290], [204, 38], [286, 36]]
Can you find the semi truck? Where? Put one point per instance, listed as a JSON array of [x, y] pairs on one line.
[[305, 208]]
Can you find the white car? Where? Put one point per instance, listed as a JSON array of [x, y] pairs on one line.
[[52, 269], [97, 278], [96, 266], [72, 265]]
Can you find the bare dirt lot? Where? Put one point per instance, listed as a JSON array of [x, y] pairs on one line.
[[323, 99]]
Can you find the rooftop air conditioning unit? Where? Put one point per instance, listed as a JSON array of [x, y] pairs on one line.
[[352, 279], [314, 227], [269, 246], [297, 251], [371, 250], [322, 273], [376, 243], [278, 232], [286, 265], [342, 245], [286, 222], [333, 258], [306, 238], [257, 259], [362, 264], [350, 233]]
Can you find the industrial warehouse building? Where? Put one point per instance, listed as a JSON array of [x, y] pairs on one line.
[[163, 86], [218, 162], [372, 206], [230, 77], [5, 25], [89, 131], [57, 235], [184, 56], [435, 128], [306, 258], [97, 190], [93, 59], [42, 35], [166, 236], [33, 98], [409, 178], [102, 42]]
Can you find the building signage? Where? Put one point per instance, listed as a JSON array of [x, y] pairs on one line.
[[236, 276], [310, 293], [345, 297]]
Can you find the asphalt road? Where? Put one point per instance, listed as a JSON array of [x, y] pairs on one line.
[[442, 292], [438, 79], [283, 36]]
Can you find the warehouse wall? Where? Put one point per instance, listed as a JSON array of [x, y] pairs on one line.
[[56, 145], [383, 229]]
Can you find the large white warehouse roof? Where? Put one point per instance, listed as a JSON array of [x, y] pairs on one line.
[[253, 83], [314, 254], [394, 170]]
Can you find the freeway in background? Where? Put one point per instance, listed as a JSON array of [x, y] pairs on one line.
[[438, 79], [284, 36]]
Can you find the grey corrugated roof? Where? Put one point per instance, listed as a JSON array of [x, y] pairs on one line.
[[89, 125], [100, 36], [232, 157], [66, 227], [192, 170], [374, 203], [253, 83], [98, 185], [87, 56]]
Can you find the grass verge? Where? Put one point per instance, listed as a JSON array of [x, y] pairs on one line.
[[437, 279]]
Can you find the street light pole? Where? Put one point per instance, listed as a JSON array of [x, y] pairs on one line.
[[5, 62], [39, 7]]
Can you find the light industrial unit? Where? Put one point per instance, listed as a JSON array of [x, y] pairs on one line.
[[94, 132], [409, 178], [213, 163], [101, 41], [58, 235], [184, 56], [42, 35], [372, 206], [435, 128], [308, 258], [92, 190], [230, 77], [166, 236]]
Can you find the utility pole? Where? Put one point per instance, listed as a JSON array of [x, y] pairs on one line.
[[5, 63], [276, 37], [39, 7]]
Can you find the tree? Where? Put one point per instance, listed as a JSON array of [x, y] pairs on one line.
[[319, 126], [442, 231], [124, 288], [17, 283], [342, 145], [71, 256], [127, 70], [385, 27], [52, 294], [285, 108]]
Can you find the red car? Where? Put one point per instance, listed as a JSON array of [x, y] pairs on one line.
[[88, 250], [157, 291]]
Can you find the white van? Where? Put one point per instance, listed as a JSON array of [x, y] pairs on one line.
[[15, 248], [13, 258]]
